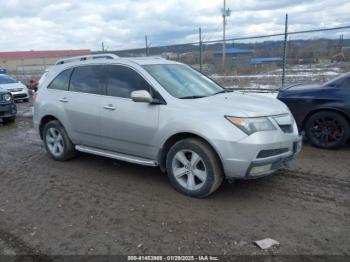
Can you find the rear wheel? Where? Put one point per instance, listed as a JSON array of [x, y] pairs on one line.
[[327, 130], [57, 142], [194, 168]]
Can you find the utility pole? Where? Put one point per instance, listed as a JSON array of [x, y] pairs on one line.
[[200, 50], [225, 13], [285, 51], [146, 42], [103, 47], [340, 43]]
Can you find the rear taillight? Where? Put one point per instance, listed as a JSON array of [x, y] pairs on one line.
[[34, 95]]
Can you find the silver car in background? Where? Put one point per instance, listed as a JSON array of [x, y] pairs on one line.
[[155, 112], [18, 90]]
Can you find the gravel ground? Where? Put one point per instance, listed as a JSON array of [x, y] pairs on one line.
[[95, 205]]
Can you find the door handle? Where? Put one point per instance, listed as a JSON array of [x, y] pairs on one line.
[[109, 107], [64, 100]]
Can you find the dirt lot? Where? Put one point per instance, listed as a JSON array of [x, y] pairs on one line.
[[94, 205]]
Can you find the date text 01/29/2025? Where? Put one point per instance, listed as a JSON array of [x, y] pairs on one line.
[[173, 258]]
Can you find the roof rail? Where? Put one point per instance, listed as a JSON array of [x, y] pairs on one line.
[[86, 57], [145, 57]]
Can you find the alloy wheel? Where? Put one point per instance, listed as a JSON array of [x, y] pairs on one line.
[[54, 141], [189, 169], [327, 130]]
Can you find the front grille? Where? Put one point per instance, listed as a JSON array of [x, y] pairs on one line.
[[4, 109], [272, 152], [286, 128], [285, 122], [20, 96]]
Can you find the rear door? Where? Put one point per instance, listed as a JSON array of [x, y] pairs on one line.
[[126, 126], [83, 104]]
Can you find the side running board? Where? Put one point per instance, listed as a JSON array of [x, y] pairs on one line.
[[118, 156]]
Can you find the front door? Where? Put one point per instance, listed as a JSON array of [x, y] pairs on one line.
[[126, 126]]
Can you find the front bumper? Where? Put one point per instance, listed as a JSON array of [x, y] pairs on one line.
[[258, 155], [8, 110], [268, 166]]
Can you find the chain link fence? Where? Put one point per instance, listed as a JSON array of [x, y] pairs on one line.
[[255, 62], [261, 62]]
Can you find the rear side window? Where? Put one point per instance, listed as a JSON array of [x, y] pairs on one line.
[[121, 81], [61, 81], [87, 79]]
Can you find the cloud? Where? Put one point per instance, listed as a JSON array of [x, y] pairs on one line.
[[122, 24]]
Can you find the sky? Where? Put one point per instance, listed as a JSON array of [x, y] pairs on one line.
[[123, 24]]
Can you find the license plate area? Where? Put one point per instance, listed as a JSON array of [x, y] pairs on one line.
[[5, 108], [282, 162]]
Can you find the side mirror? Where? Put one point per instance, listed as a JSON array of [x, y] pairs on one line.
[[141, 96]]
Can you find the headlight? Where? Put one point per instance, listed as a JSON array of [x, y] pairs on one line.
[[7, 97], [250, 125]]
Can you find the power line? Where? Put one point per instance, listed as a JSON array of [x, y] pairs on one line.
[[282, 34]]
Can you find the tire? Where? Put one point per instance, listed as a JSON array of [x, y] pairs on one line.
[[57, 142], [327, 130], [199, 179], [9, 120]]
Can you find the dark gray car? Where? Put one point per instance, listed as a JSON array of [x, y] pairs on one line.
[[8, 109]]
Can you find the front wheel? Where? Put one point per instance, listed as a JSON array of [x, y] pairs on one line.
[[194, 168], [327, 130], [57, 142]]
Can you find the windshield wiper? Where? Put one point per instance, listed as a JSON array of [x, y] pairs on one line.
[[226, 90], [191, 97]]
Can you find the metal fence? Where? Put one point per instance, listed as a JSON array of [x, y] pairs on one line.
[[263, 61]]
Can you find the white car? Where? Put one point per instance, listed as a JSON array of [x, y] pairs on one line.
[[18, 90]]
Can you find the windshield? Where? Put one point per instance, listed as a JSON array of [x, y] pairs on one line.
[[336, 80], [7, 80], [182, 81]]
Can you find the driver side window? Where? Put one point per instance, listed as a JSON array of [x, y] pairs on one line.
[[122, 80]]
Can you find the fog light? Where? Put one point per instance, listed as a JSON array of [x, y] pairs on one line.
[[256, 170]]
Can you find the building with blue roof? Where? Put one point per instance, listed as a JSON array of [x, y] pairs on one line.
[[235, 51], [266, 60]]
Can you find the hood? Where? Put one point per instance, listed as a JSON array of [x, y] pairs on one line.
[[13, 86], [300, 87], [298, 90], [3, 91], [240, 105]]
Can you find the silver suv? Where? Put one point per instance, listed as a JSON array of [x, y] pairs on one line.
[[155, 112]]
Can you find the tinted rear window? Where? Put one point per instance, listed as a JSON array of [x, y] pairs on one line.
[[87, 79]]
